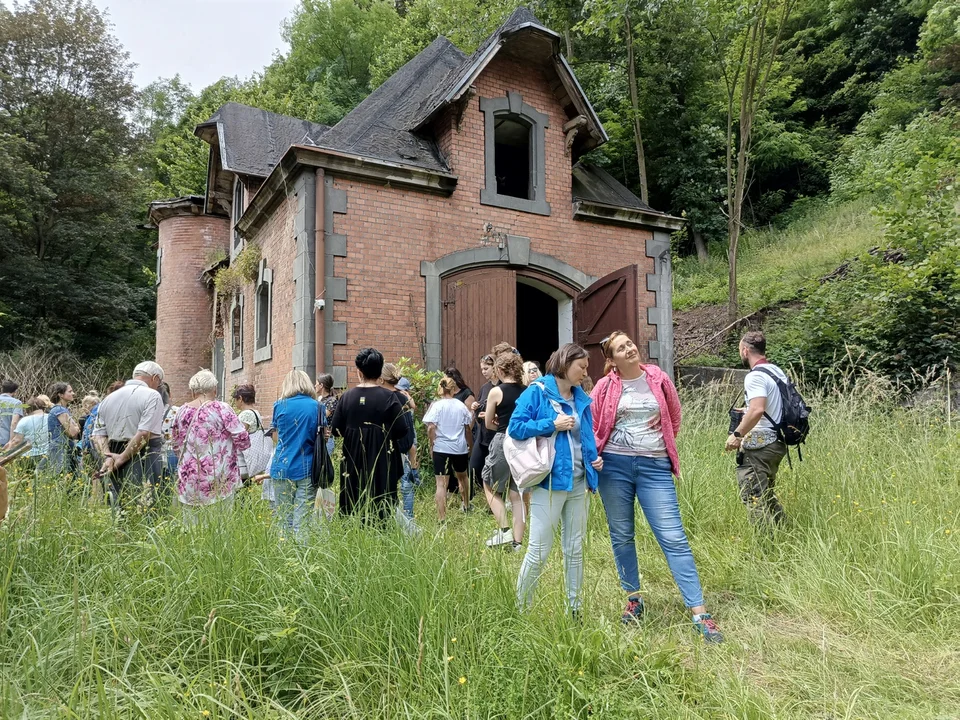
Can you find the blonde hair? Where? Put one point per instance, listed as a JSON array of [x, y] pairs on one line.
[[44, 401], [89, 401], [203, 382], [447, 386], [297, 382], [390, 374], [527, 367]]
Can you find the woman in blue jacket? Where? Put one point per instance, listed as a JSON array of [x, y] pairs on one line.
[[296, 416], [557, 404]]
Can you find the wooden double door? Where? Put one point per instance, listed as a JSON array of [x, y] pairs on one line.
[[480, 310]]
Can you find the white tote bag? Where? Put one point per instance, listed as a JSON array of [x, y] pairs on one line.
[[255, 460], [531, 460]]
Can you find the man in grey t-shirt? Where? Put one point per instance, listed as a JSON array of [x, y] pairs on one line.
[[760, 449], [128, 434]]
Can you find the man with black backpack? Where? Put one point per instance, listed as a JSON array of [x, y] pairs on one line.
[[769, 422]]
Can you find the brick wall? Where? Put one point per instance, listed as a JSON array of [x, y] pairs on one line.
[[184, 302], [278, 248]]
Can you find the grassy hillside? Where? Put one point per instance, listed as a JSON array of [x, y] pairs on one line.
[[774, 265], [848, 613]]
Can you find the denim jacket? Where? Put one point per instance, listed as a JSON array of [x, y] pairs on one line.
[[534, 416]]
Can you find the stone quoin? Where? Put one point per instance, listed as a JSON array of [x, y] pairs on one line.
[[448, 211]]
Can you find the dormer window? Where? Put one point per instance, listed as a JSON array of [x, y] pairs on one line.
[[514, 155], [237, 213]]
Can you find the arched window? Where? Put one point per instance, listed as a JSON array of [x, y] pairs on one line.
[[237, 213], [515, 174], [512, 151], [236, 333], [263, 314]]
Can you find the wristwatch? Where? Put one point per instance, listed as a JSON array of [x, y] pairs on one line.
[[737, 434]]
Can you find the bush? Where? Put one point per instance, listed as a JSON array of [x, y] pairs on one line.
[[901, 319], [423, 390]]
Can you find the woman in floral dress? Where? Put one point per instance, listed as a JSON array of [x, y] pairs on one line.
[[207, 436]]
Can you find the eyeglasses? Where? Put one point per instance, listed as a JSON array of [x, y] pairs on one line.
[[514, 351]]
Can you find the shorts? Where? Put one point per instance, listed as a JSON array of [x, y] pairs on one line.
[[444, 463], [496, 471]]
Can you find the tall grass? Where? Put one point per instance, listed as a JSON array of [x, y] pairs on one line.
[[774, 265], [848, 613]]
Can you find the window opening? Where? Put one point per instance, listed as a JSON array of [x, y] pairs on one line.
[[513, 157]]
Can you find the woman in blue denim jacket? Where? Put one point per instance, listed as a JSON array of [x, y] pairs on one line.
[[296, 417], [557, 404]]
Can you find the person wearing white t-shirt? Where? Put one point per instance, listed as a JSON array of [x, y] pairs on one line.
[[760, 449], [448, 421]]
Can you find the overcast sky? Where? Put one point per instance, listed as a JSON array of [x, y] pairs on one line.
[[202, 40]]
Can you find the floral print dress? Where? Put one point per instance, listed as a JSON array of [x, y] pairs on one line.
[[208, 439]]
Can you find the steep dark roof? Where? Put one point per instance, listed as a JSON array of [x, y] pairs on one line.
[[252, 140], [443, 91], [593, 184], [378, 127]]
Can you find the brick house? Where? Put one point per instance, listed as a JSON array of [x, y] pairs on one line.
[[448, 211]]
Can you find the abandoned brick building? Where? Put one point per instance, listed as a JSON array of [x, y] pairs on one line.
[[447, 212]]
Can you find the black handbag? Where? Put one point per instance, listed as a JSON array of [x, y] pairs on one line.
[[322, 475]]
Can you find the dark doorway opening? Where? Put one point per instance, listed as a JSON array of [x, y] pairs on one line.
[[538, 323]]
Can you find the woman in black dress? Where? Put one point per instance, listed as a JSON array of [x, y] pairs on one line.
[[368, 417]]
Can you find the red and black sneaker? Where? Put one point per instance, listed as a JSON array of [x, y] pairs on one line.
[[633, 612], [707, 628]]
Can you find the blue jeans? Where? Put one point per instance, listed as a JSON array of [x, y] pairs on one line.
[[647, 479], [293, 502], [408, 483]]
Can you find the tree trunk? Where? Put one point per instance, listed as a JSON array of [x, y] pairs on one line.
[[699, 244], [635, 106], [568, 38]]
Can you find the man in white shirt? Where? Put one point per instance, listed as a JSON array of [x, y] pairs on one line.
[[128, 433], [760, 448]]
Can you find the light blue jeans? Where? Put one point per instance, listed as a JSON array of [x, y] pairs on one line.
[[408, 484], [547, 509], [293, 501], [647, 479]]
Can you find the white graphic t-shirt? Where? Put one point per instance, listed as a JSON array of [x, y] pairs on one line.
[[638, 430]]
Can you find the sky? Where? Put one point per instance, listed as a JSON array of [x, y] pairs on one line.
[[202, 40]]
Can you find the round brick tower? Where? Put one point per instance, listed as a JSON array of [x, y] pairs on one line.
[[189, 242]]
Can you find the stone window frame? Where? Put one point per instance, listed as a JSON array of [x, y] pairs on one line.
[[512, 104], [236, 362], [263, 351], [236, 212], [159, 265]]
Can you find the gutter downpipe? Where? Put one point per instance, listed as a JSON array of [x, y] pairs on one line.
[[319, 254]]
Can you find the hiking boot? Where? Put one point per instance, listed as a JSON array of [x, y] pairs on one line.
[[500, 537], [707, 628], [466, 508], [633, 612]]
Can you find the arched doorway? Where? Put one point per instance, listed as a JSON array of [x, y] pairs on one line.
[[488, 305]]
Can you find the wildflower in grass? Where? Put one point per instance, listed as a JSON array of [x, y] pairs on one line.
[[946, 532], [580, 673], [453, 639], [205, 713], [449, 658], [462, 680]]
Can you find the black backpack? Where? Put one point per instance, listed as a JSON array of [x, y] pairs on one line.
[[794, 425]]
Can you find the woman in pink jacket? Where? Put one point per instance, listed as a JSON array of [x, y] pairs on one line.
[[636, 418]]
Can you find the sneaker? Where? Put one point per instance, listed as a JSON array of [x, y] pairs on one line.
[[707, 628], [517, 547], [466, 508], [500, 537], [633, 612]]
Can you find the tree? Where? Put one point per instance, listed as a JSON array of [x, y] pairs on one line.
[[73, 263], [746, 42]]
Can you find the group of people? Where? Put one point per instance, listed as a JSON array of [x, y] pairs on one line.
[[618, 441]]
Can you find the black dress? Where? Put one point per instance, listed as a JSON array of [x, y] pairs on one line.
[[481, 439], [368, 418]]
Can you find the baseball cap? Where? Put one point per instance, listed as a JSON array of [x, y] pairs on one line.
[[404, 384]]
